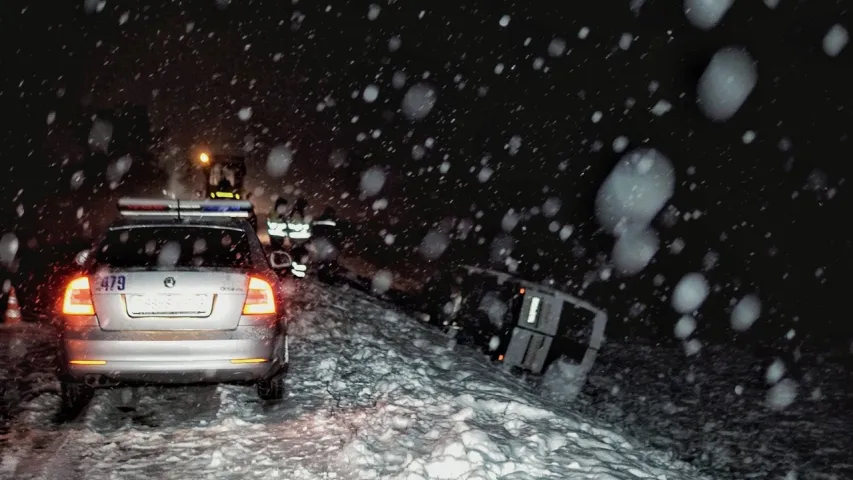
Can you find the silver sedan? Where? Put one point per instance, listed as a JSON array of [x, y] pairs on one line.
[[175, 292]]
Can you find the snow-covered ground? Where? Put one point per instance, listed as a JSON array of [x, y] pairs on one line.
[[372, 394], [712, 410]]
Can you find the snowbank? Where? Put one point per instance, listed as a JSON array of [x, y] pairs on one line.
[[372, 394]]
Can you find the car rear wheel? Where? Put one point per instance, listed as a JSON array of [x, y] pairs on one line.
[[272, 389], [75, 395]]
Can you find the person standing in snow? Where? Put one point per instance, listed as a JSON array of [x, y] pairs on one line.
[[297, 215], [324, 233], [275, 216], [325, 226], [253, 218], [278, 211]]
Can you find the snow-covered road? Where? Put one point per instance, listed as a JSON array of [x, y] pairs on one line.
[[372, 394]]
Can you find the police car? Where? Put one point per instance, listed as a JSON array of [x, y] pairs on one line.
[[175, 292]]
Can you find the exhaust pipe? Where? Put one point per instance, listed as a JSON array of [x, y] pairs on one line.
[[96, 380]]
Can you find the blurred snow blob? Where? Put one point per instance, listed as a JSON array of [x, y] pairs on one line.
[[685, 327], [635, 191], [557, 47], [551, 207], [835, 40], [501, 248], [418, 152], [279, 160], [726, 83], [706, 14], [372, 181], [745, 313], [199, 246], [781, 395], [8, 248], [434, 244], [77, 179], [634, 249], [398, 80], [323, 250], [775, 372], [337, 158], [370, 94], [494, 308], [692, 347], [169, 254], [94, 6], [418, 101], [100, 135], [245, 113], [509, 220], [625, 41], [563, 380], [394, 43], [689, 293], [117, 169], [373, 11], [382, 281]]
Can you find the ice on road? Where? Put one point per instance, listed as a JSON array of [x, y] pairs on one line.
[[371, 394]]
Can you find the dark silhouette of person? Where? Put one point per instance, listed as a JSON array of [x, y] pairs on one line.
[[276, 215], [224, 186], [278, 210], [299, 208], [329, 213]]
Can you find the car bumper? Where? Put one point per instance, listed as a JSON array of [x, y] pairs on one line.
[[241, 355]]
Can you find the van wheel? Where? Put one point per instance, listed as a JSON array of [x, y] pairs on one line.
[[272, 389], [75, 395]]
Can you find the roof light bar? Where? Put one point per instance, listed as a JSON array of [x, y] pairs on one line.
[[139, 207]]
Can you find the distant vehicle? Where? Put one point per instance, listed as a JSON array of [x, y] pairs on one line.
[[522, 324], [224, 179], [175, 292], [224, 175]]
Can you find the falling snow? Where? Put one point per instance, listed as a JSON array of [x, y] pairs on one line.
[[706, 14], [370, 94], [245, 113], [690, 292], [726, 83], [835, 40], [419, 101]]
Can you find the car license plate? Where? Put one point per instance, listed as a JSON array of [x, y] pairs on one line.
[[169, 304]]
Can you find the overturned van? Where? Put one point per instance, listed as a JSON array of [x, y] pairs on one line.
[[525, 325]]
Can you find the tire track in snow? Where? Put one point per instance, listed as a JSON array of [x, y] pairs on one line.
[[56, 460], [196, 431]]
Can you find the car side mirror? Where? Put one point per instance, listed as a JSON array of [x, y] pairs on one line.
[[82, 257], [280, 259]]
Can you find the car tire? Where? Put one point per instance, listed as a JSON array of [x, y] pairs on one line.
[[75, 395], [272, 389]]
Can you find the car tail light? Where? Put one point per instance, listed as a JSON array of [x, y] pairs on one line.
[[78, 298], [260, 299]]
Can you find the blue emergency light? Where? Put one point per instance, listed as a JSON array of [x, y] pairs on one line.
[[222, 208], [144, 207]]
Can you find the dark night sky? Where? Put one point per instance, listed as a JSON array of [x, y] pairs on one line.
[[751, 203]]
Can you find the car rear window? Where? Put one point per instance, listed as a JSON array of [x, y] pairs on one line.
[[154, 247]]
